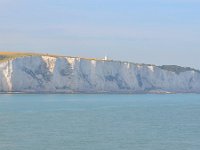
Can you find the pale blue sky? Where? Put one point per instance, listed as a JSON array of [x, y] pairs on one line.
[[144, 31]]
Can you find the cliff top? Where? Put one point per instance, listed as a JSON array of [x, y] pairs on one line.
[[5, 56]]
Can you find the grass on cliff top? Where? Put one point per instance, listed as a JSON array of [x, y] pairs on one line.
[[5, 56]]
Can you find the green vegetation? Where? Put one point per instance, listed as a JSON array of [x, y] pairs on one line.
[[5, 56], [177, 69]]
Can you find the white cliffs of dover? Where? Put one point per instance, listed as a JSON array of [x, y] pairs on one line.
[[43, 73]]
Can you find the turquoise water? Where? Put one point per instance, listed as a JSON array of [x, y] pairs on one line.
[[100, 122]]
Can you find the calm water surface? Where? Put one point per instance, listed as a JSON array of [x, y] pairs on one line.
[[100, 122]]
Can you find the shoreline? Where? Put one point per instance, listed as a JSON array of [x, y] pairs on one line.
[[98, 93]]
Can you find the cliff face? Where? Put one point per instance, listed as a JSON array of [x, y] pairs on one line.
[[68, 75]]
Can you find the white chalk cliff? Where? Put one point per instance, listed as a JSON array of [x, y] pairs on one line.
[[71, 75]]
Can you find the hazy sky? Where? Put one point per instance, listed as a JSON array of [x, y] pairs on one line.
[[144, 31]]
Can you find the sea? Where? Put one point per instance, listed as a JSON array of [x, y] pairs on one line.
[[99, 122]]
